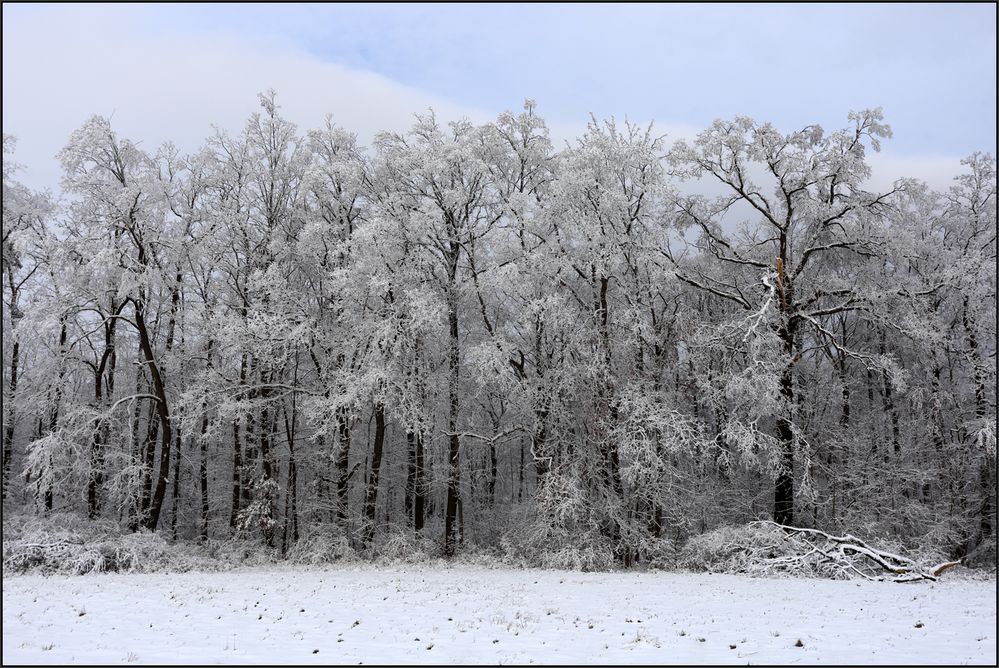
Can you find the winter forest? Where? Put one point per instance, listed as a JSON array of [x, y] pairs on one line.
[[468, 339]]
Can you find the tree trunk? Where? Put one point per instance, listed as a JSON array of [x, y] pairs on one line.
[[203, 474], [11, 415], [156, 505], [888, 400], [371, 495], [135, 507], [784, 483], [48, 493], [247, 476], [203, 466], [149, 456], [175, 500], [986, 470], [342, 464], [237, 467], [292, 491], [611, 454], [520, 473], [105, 370], [96, 476], [9, 412], [419, 486], [409, 499], [542, 463], [454, 465], [493, 473], [267, 464]]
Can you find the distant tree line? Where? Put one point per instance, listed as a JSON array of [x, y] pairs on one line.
[[468, 336]]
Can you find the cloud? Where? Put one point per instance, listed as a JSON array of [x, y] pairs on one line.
[[59, 68], [163, 81]]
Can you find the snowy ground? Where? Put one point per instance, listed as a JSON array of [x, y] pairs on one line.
[[469, 615]]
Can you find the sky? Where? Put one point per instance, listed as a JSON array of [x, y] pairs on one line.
[[172, 71]]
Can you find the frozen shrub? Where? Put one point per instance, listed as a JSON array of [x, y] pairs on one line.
[[402, 546], [552, 547], [317, 548], [571, 529], [240, 552], [485, 557], [586, 557], [661, 553], [66, 544]]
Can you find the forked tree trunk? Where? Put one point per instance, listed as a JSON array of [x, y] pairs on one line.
[[104, 373], [162, 409], [291, 493]]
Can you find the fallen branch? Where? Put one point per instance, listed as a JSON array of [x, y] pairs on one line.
[[940, 568], [852, 555]]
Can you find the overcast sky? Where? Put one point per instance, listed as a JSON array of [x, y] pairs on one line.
[[170, 72]]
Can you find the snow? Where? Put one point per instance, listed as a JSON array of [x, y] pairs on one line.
[[425, 614]]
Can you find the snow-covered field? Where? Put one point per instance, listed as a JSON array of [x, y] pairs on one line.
[[470, 615]]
